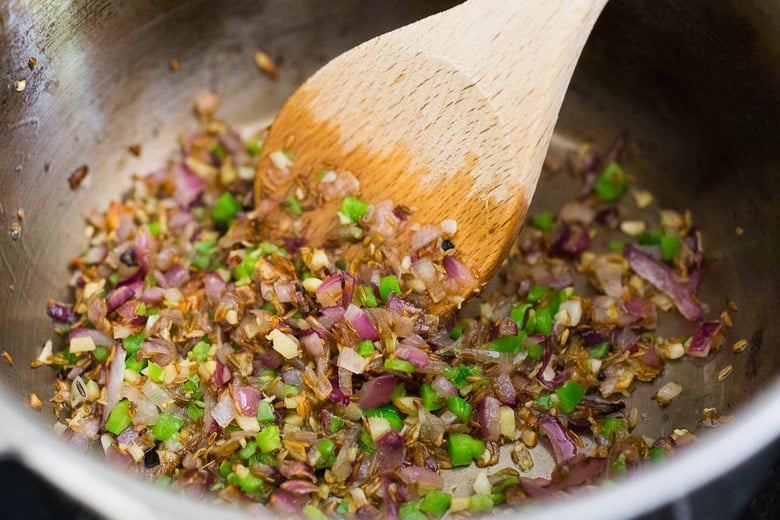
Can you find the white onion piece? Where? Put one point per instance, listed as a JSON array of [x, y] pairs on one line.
[[224, 412]]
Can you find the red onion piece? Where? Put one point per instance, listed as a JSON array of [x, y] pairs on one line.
[[285, 292], [161, 351], [701, 342], [117, 297], [376, 392], [564, 447], [457, 271], [582, 471], [295, 469], [336, 395], [224, 412], [221, 375], [443, 386], [504, 389], [246, 398], [177, 276], [114, 381], [188, 186], [299, 487], [285, 503], [424, 478], [61, 313], [334, 313], [214, 287], [122, 460], [413, 355], [361, 323], [76, 439], [336, 290], [391, 451], [488, 413], [100, 339], [424, 236], [179, 220], [313, 344], [151, 294], [95, 254], [663, 278]]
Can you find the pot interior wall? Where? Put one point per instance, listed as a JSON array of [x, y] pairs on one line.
[[696, 85]]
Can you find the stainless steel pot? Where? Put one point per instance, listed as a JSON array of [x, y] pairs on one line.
[[697, 83]]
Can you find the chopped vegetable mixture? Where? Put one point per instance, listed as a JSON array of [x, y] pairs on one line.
[[272, 373]]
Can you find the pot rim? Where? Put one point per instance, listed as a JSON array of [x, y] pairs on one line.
[[116, 495]]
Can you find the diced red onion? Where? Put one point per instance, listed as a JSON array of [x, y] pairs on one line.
[[180, 219], [424, 478], [100, 339], [188, 186], [285, 503], [161, 351], [285, 292], [336, 290], [214, 287], [424, 236], [336, 395], [246, 398], [538, 488], [295, 469], [95, 254], [334, 313], [504, 389], [61, 313], [575, 211], [177, 276], [222, 374], [122, 460], [662, 277], [117, 297], [390, 451], [114, 381], [443, 386], [457, 271], [224, 411], [313, 344], [152, 295], [76, 439], [345, 381], [701, 342], [377, 391], [361, 323], [292, 376], [145, 410], [564, 447], [413, 355], [299, 487], [489, 423]]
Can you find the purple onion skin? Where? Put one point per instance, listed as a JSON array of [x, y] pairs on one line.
[[488, 411], [61, 313], [702, 339], [376, 392]]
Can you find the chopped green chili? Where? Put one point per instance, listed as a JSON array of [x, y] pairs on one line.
[[387, 412], [166, 427], [436, 503], [119, 418], [599, 351], [353, 208], [612, 183], [224, 210], [388, 284], [366, 348], [269, 439], [463, 448], [569, 395], [400, 365], [542, 221], [459, 407]]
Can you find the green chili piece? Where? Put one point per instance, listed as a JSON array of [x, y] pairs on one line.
[[518, 313], [269, 439], [508, 344], [353, 208], [670, 246], [365, 296], [194, 412], [458, 375], [293, 205], [542, 221], [569, 395], [224, 210], [536, 293], [431, 400], [336, 424], [599, 351], [366, 348], [649, 238], [535, 351], [226, 468], [656, 454], [265, 412], [463, 448], [612, 183], [119, 418], [135, 364], [457, 330], [326, 449], [616, 246], [399, 365], [543, 321], [409, 511], [387, 412], [311, 512], [132, 344], [250, 483], [205, 246], [436, 503], [619, 466], [155, 372], [613, 425], [248, 450], [166, 427], [480, 503], [154, 228], [366, 442], [200, 352], [388, 284], [544, 401], [101, 354], [459, 407]]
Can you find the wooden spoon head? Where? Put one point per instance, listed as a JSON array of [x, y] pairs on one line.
[[412, 129]]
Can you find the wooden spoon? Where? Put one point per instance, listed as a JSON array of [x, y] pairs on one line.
[[450, 116]]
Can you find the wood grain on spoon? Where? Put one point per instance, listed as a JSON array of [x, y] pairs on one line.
[[450, 116]]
